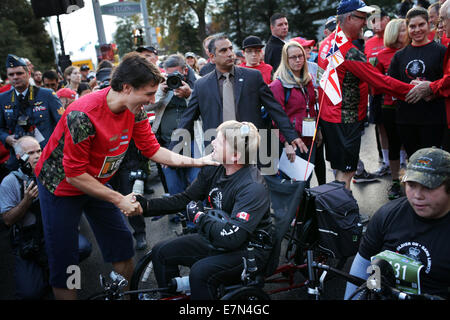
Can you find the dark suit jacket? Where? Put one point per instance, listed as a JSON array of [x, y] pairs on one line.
[[272, 52], [250, 93], [207, 68]]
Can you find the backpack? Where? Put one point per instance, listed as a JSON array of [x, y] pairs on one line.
[[336, 219]]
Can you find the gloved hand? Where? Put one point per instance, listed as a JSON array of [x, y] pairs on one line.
[[194, 209], [143, 202]]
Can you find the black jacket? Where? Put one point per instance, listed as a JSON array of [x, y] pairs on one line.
[[250, 94], [272, 53]]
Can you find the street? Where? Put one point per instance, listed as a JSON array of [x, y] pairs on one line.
[[370, 197]]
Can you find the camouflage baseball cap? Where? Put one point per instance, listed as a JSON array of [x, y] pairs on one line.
[[429, 167]]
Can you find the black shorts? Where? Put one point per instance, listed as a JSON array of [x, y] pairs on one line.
[[375, 109], [342, 144]]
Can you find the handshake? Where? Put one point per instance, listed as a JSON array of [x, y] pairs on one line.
[[421, 90], [133, 204]]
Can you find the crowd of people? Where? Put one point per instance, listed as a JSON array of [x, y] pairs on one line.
[[71, 142]]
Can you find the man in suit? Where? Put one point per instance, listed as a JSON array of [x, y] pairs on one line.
[[26, 109], [279, 27], [234, 93]]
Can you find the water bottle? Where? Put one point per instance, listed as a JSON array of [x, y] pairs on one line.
[[138, 187]]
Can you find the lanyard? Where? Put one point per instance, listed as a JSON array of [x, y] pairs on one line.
[[305, 94]]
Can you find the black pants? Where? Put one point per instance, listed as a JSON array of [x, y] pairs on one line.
[[209, 267], [395, 144], [415, 137]]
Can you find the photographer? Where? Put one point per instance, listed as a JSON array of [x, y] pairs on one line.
[[172, 99], [20, 210]]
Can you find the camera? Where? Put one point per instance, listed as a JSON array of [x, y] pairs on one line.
[[138, 177], [30, 249], [24, 122], [25, 166], [174, 80]]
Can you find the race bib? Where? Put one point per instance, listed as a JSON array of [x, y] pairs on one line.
[[406, 270], [110, 165], [308, 127]]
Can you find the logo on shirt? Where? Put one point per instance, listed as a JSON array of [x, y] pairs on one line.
[[243, 215], [215, 198], [416, 251], [415, 68]]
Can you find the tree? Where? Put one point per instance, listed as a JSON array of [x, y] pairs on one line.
[[123, 37], [24, 35]]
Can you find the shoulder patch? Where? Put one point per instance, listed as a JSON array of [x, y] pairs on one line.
[[142, 115], [80, 126], [355, 55]]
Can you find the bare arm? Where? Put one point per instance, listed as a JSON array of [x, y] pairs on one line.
[[90, 186], [172, 159]]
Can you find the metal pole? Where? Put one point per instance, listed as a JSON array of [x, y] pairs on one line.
[[147, 28], [61, 41], [99, 22], [53, 39]]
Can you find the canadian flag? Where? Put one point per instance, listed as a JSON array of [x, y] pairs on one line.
[[330, 81], [243, 215]]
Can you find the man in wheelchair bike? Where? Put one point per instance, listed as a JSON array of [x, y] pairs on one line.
[[236, 192], [416, 226]]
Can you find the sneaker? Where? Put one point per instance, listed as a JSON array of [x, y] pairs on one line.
[[395, 191], [364, 177], [384, 170], [141, 241]]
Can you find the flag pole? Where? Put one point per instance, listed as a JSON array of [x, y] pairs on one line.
[[320, 109]]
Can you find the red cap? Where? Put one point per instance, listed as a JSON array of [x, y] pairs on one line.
[[66, 93], [303, 42]]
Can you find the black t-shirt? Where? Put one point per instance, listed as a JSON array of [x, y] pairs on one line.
[[396, 227], [242, 195], [423, 62]]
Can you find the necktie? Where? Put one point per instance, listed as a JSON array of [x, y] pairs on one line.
[[228, 99]]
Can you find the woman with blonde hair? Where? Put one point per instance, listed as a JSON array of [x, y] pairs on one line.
[[293, 89]]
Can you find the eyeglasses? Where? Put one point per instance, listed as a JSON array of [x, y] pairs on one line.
[[359, 17], [294, 58]]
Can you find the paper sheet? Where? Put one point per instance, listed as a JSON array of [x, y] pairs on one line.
[[295, 170]]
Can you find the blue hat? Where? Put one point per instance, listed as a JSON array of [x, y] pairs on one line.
[[13, 61], [346, 6]]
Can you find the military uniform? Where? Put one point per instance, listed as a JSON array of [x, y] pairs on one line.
[[36, 114]]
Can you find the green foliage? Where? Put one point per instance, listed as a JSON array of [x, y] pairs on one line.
[[24, 35], [123, 35], [183, 21]]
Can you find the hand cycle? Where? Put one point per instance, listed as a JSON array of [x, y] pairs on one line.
[[143, 285], [385, 291]]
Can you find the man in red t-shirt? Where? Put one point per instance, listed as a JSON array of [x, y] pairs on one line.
[[252, 48], [342, 123], [83, 153]]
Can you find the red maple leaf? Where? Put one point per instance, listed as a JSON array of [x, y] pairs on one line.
[[339, 39]]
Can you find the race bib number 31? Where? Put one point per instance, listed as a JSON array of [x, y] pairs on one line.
[[406, 270]]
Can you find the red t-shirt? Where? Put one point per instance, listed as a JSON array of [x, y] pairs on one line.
[[91, 139], [5, 88], [382, 63], [355, 74], [441, 87], [372, 47], [264, 68]]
